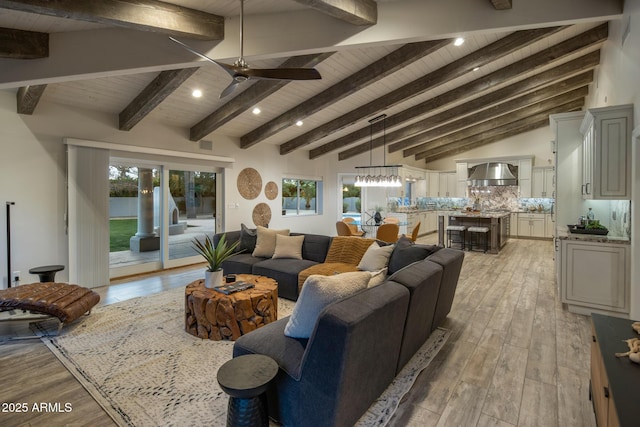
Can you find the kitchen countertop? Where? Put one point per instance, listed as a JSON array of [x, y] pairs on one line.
[[563, 234], [480, 214]]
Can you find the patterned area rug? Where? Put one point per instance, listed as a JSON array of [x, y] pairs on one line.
[[139, 364]]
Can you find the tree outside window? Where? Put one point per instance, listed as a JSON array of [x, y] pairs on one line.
[[300, 196]]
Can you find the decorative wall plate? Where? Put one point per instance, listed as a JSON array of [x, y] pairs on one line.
[[262, 214], [249, 183], [271, 190]]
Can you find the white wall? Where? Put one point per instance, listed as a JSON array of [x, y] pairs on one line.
[[535, 142], [32, 174]]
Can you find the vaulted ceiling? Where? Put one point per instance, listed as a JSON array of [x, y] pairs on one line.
[[440, 99]]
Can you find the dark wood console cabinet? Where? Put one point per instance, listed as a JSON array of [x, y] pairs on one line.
[[615, 381]]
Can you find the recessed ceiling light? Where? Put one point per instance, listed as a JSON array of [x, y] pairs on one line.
[[476, 68], [197, 93], [458, 41], [256, 111], [299, 123]]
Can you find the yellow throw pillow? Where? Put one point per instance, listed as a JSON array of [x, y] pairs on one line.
[[266, 241]]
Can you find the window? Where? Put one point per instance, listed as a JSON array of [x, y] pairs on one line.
[[301, 196]]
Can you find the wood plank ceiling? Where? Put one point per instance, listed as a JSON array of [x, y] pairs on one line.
[[440, 99]]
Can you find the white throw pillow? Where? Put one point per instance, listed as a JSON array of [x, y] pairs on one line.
[[318, 292], [377, 277], [288, 247], [266, 241], [376, 257]]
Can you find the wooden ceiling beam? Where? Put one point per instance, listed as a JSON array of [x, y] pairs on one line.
[[251, 96], [505, 121], [19, 44], [356, 12], [575, 84], [28, 97], [454, 69], [151, 96], [142, 15], [502, 4], [370, 74], [559, 73], [584, 41]]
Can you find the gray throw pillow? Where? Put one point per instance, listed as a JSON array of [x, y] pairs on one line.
[[318, 292], [248, 238], [406, 252]]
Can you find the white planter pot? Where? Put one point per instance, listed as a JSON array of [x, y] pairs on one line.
[[213, 278]]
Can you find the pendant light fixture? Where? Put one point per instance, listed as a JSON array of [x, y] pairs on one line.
[[378, 176]]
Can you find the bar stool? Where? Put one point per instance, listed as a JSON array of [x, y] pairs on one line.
[[460, 230], [479, 231]]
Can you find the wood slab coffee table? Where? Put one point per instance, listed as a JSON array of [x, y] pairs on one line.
[[210, 314]]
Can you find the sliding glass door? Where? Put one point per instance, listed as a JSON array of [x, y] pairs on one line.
[[155, 213]]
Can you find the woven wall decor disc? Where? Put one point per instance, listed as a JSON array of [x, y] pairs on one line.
[[262, 214], [249, 183], [271, 190]]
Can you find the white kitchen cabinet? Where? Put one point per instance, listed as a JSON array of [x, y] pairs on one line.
[[549, 226], [513, 229], [433, 184], [531, 225], [525, 167], [462, 173], [543, 182], [606, 153], [595, 275], [448, 184], [431, 223]]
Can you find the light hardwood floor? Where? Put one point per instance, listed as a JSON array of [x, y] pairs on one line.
[[515, 356]]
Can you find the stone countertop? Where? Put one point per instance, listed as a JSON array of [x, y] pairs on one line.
[[563, 234], [489, 215]]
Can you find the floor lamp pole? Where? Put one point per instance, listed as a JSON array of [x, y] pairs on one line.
[[9, 243]]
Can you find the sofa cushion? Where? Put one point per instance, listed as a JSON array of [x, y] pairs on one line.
[[317, 293], [240, 264], [407, 252], [315, 246], [376, 257], [284, 271], [266, 241], [248, 238], [348, 249], [288, 247]]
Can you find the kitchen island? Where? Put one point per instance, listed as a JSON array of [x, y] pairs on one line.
[[497, 222]]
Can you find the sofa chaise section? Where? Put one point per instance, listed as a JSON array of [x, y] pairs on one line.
[[353, 351]]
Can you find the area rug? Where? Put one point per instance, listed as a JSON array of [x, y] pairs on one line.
[[139, 364]]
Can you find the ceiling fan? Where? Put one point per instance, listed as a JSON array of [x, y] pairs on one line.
[[241, 72]]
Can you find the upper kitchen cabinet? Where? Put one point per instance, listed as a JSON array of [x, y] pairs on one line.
[[448, 184], [525, 167], [462, 173], [543, 182], [433, 184], [606, 153]]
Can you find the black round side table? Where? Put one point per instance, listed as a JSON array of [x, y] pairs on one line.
[[245, 379], [47, 273]]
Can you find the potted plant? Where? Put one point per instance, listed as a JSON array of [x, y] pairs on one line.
[[215, 256]]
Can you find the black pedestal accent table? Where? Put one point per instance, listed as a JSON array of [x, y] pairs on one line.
[[245, 379], [47, 273]]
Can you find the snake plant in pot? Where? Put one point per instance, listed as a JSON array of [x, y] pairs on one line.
[[215, 255]]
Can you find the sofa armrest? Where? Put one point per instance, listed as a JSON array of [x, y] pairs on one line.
[[232, 237], [451, 262]]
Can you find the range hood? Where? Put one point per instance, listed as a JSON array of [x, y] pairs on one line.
[[493, 173]]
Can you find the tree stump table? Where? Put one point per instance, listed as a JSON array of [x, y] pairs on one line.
[[210, 314]]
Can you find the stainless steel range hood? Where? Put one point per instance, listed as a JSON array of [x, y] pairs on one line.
[[493, 173]]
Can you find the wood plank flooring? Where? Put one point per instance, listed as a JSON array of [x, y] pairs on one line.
[[515, 356]]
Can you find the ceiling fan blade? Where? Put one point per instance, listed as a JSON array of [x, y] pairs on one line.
[[229, 89], [228, 68], [283, 73]]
